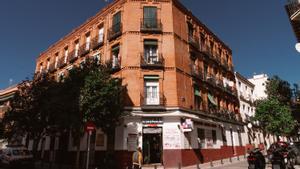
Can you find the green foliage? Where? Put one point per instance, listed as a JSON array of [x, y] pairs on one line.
[[101, 98], [279, 89], [274, 117]]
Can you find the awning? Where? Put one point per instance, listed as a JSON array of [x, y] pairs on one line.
[[197, 92], [151, 77], [212, 100], [150, 42]]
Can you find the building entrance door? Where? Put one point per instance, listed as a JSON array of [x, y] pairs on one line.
[[152, 145]]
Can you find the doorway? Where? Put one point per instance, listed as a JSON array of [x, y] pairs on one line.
[[152, 145]]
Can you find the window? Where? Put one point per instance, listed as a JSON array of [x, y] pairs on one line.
[[97, 58], [82, 63], [224, 136], [201, 137], [60, 76], [150, 15], [214, 136], [152, 92], [76, 48], [56, 60], [116, 24], [211, 47], [243, 107], [240, 84], [88, 42], [150, 51], [41, 67], [115, 51], [197, 98], [48, 64], [240, 138], [205, 71], [191, 31], [66, 55], [202, 41], [101, 35]]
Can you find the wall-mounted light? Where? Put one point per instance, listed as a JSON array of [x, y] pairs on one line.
[[297, 46]]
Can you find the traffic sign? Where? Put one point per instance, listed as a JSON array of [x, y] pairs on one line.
[[90, 126]]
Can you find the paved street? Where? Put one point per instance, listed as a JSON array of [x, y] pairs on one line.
[[241, 165]]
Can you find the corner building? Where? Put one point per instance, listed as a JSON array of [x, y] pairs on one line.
[[181, 96]]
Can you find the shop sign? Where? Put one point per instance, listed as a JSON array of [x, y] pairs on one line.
[[132, 142], [152, 122], [152, 130], [187, 125]]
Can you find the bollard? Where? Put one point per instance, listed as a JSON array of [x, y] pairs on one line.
[[238, 158], [155, 167], [222, 161], [211, 163], [230, 160], [198, 165], [179, 166]]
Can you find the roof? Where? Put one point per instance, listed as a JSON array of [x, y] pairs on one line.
[[244, 79]]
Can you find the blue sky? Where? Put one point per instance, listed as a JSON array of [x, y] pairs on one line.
[[258, 32]]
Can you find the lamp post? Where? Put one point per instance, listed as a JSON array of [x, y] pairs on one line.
[[297, 46], [249, 125]]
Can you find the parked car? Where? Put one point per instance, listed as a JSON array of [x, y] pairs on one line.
[[13, 157]]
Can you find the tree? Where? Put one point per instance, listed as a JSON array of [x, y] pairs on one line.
[[274, 113], [279, 89], [30, 111], [274, 117], [101, 102]]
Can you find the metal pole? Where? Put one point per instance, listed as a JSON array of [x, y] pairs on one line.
[[88, 150]]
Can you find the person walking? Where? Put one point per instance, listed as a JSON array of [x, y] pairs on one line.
[[137, 159]]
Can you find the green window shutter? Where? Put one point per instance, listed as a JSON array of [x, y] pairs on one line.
[[211, 99], [115, 48], [150, 12], [197, 92], [117, 18]]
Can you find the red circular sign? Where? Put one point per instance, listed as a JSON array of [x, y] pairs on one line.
[[90, 126]]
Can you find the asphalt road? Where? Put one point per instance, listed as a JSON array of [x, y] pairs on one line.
[[242, 165]]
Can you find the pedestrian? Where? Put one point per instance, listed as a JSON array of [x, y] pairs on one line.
[[137, 159]]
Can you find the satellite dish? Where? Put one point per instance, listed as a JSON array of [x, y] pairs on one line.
[[297, 46]]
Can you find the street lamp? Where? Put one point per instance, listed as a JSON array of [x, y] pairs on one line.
[[297, 46]]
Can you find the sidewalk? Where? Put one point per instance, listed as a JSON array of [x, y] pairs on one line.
[[212, 164]]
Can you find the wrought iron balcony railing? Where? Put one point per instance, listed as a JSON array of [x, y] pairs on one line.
[[83, 50], [72, 56], [153, 100], [61, 63], [97, 43], [153, 60], [52, 68], [115, 31], [151, 25], [194, 41], [196, 72]]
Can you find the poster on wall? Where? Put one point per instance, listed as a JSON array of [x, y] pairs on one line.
[[209, 140], [100, 140], [132, 142], [171, 137]]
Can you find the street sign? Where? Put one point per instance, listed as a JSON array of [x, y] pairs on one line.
[[90, 126]]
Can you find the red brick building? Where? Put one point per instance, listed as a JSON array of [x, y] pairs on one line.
[[293, 10], [179, 76]]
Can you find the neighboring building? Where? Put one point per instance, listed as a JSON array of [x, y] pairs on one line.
[[293, 10], [179, 76], [5, 96], [247, 109], [260, 82]]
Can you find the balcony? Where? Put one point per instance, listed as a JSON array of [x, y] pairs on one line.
[[115, 31], [206, 50], [230, 90], [52, 68], [196, 72], [61, 63], [152, 61], [151, 25], [83, 51], [72, 57], [293, 9], [194, 41], [96, 43], [211, 79], [154, 102]]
